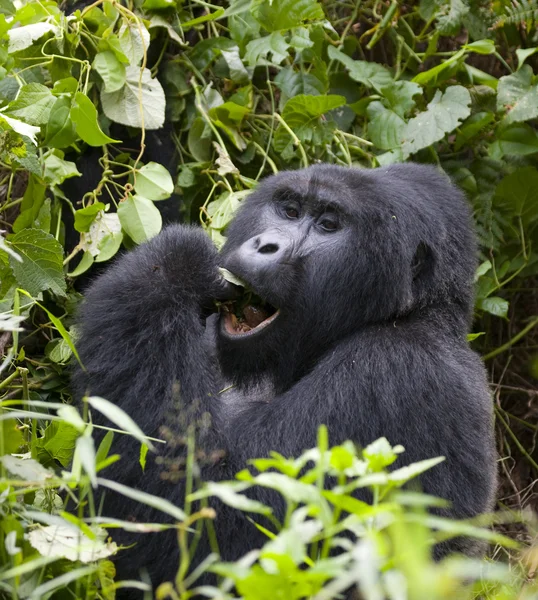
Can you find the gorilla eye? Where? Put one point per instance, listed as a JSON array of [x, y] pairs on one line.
[[328, 222], [292, 212]]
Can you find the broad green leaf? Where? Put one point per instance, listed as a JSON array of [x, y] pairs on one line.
[[238, 72], [111, 70], [134, 41], [139, 103], [281, 15], [274, 45], [57, 443], [60, 132], [84, 217], [71, 543], [154, 182], [303, 115], [84, 116], [494, 305], [199, 140], [517, 193], [385, 128], [370, 74], [27, 469], [148, 499], [519, 139], [58, 351], [523, 54], [443, 114], [139, 218], [32, 105], [399, 96], [85, 263], [518, 96], [23, 37], [57, 170], [445, 68], [42, 262], [293, 83], [103, 237]]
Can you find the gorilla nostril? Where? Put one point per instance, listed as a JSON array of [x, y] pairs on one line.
[[268, 249]]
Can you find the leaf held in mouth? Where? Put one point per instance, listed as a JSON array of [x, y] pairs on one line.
[[230, 277]]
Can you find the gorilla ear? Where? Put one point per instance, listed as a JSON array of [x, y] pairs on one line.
[[423, 261]]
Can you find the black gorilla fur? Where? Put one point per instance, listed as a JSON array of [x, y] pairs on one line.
[[372, 271]]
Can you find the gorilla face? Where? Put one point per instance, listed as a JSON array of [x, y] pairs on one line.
[[326, 250]]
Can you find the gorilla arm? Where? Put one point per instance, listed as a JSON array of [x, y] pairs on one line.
[[141, 328], [411, 383]]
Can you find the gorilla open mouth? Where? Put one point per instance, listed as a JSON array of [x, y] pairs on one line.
[[246, 315]]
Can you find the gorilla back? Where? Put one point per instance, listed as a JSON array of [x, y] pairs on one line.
[[361, 296]]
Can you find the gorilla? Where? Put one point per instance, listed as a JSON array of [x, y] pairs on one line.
[[358, 300]]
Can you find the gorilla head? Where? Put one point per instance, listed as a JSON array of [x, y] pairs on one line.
[[326, 250]]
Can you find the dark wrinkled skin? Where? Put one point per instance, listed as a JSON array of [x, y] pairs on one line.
[[371, 341]]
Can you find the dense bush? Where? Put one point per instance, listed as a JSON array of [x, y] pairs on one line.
[[246, 89]]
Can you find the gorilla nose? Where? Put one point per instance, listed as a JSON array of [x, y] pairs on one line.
[[271, 243]]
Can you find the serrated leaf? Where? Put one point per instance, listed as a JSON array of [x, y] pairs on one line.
[[385, 128], [370, 74], [139, 218], [59, 438], [154, 182], [518, 96], [281, 15], [124, 106], [260, 48], [84, 115], [443, 114], [21, 128], [111, 70], [32, 104], [303, 116], [42, 262]]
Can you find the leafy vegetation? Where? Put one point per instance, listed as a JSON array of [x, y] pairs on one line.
[[247, 88]]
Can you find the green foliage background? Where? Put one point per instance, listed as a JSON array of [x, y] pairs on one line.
[[245, 89]]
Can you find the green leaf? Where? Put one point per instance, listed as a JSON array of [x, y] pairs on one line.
[[229, 276], [281, 15], [524, 53], [518, 96], [84, 217], [385, 128], [399, 96], [517, 193], [238, 72], [58, 443], [443, 114], [134, 41], [154, 182], [120, 418], [519, 139], [21, 38], [139, 218], [57, 170], [370, 74], [228, 492], [303, 115], [259, 49], [148, 499], [481, 47], [494, 305], [42, 262], [84, 116], [450, 23], [111, 70], [33, 104], [60, 132], [199, 140], [124, 105]]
